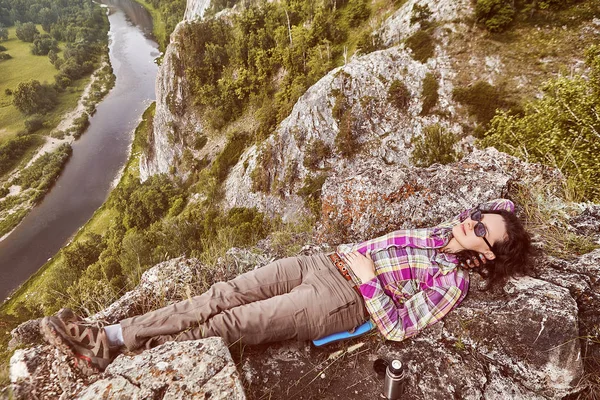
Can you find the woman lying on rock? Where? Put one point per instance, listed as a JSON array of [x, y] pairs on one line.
[[403, 281]]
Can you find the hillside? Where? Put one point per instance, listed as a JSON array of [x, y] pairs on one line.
[[334, 122]]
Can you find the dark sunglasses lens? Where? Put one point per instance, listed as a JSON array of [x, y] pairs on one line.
[[480, 230], [476, 215]]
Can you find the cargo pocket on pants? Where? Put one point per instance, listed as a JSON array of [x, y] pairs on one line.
[[303, 331]]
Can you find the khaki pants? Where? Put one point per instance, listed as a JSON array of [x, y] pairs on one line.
[[299, 298]]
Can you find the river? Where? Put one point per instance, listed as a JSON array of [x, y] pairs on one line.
[[98, 156]]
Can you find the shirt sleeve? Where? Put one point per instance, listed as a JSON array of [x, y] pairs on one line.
[[419, 311]]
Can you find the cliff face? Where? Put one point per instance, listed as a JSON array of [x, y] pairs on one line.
[[195, 9], [382, 132], [175, 117]]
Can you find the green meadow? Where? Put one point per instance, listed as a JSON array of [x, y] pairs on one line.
[[23, 67]]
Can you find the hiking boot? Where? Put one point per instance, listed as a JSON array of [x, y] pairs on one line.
[[86, 342]]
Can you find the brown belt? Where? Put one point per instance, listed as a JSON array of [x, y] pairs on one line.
[[343, 268]]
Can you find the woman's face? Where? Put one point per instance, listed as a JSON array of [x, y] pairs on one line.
[[495, 232]]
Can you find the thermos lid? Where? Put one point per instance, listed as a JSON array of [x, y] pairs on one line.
[[395, 366]]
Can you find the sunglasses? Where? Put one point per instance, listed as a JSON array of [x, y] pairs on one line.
[[480, 229]]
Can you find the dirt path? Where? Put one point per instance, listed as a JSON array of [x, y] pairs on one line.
[[67, 122]]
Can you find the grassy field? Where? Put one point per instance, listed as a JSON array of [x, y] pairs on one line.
[[24, 67]]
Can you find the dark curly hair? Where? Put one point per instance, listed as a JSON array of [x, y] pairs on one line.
[[512, 254]]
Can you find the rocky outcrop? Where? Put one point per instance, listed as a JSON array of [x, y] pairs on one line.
[[382, 132], [175, 116], [529, 339], [194, 9], [197, 369], [398, 26], [374, 200]]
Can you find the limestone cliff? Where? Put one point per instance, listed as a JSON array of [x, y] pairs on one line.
[[174, 114]]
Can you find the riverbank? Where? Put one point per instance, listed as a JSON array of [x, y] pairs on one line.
[[19, 199], [159, 30]]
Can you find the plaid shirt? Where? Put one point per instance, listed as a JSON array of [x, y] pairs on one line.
[[415, 284]]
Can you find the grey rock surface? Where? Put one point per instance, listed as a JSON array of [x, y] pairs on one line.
[[398, 26], [25, 334], [194, 9], [374, 200], [198, 369]]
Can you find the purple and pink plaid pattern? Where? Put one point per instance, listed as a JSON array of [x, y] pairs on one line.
[[415, 284]]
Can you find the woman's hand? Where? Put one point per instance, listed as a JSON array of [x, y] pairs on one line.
[[474, 262], [362, 266]]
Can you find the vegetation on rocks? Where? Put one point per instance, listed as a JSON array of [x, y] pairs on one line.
[[422, 45], [482, 101], [560, 129], [430, 93], [269, 56], [435, 145], [399, 95]]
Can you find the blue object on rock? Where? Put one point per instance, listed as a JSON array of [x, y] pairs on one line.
[[336, 337]]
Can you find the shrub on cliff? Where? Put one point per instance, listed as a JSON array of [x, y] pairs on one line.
[[422, 45], [399, 95], [430, 94], [482, 101], [435, 145]]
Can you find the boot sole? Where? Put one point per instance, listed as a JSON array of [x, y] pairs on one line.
[[54, 337]]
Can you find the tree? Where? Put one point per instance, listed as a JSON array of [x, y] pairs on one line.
[[44, 44], [3, 33], [27, 31], [33, 97], [496, 15], [434, 146]]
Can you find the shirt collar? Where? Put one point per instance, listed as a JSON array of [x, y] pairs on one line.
[[447, 262]]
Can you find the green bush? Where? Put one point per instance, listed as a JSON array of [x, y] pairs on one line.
[[357, 12], [45, 170], [399, 95], [261, 175], [230, 155], [422, 45], [420, 13], [33, 97], [435, 145], [14, 149], [34, 123], [311, 192], [560, 129], [346, 141], [26, 32], [482, 100], [141, 204], [495, 15], [430, 94], [315, 153], [80, 124], [369, 42]]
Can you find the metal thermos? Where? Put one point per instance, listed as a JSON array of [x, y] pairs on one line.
[[393, 385]]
